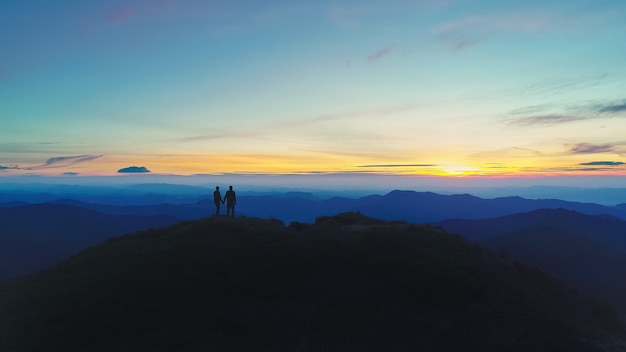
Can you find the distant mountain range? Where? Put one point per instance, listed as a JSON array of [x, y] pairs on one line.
[[589, 251], [39, 235], [345, 283], [415, 207]]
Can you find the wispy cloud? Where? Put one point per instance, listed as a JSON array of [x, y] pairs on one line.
[[571, 113], [220, 135], [532, 109], [262, 131], [10, 167], [396, 165], [71, 160], [572, 169], [565, 84], [588, 148], [56, 162], [379, 54], [611, 108], [466, 32], [602, 163], [64, 161], [545, 120], [372, 112]]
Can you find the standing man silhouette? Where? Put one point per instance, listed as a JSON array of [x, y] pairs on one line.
[[217, 199], [231, 200]]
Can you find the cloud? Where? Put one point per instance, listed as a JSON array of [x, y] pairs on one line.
[[220, 135], [373, 112], [134, 170], [398, 165], [64, 161], [612, 108], [602, 163], [5, 168], [564, 84], [70, 160], [573, 113], [545, 120], [381, 53], [587, 148], [469, 31]]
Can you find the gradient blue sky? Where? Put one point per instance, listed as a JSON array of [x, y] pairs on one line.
[[425, 87]]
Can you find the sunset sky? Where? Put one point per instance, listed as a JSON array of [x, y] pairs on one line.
[[427, 87]]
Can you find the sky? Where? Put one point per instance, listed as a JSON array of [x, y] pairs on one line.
[[431, 88]]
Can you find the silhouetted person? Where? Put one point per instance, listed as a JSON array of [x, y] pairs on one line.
[[217, 199], [231, 200]]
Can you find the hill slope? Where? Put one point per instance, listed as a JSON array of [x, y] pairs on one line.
[[346, 283], [589, 251]]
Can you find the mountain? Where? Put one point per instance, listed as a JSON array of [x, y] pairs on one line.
[[415, 207], [345, 283], [588, 251], [136, 194], [180, 211], [35, 236]]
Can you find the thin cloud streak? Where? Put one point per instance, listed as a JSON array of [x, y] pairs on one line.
[[587, 148], [584, 112], [221, 135], [10, 167], [64, 161], [545, 120], [396, 165], [380, 54], [613, 108], [466, 32], [605, 163]]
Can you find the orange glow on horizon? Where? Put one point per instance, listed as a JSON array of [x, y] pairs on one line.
[[275, 164]]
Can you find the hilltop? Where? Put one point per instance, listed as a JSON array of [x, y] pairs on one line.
[[344, 283]]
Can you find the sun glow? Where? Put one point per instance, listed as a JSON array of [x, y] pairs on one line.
[[461, 170]]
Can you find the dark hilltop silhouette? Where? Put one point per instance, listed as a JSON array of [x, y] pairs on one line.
[[345, 283]]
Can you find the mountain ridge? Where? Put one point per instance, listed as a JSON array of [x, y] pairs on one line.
[[412, 206]]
